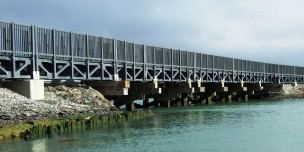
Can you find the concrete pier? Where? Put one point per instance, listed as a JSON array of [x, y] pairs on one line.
[[110, 87], [33, 89], [130, 106]]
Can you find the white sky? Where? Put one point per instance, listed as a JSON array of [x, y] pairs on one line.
[[262, 30]]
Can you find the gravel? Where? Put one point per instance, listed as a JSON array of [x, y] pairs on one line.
[[290, 91], [60, 102]]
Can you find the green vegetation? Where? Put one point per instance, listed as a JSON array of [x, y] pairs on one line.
[[45, 127]]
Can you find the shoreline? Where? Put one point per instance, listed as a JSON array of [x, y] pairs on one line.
[[44, 127], [20, 117], [66, 108]]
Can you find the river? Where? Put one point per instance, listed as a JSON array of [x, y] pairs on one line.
[[256, 126]]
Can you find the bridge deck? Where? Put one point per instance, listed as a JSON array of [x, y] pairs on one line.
[[66, 55]]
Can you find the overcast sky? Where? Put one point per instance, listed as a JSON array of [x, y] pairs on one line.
[[262, 30]]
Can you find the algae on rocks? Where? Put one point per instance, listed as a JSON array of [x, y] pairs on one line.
[[64, 108], [44, 128]]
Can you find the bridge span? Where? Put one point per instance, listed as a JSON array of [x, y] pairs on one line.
[[125, 71]]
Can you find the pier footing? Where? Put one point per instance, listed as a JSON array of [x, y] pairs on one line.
[[33, 89]]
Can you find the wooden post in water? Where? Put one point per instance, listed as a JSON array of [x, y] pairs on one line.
[[209, 100], [185, 101], [179, 102], [246, 98], [146, 103], [130, 106], [229, 98]]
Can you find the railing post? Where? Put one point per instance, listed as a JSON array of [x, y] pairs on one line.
[[200, 68], [88, 57], [134, 60], [102, 59], [72, 56], [125, 63], [294, 74], [233, 70], [36, 51], [207, 67], [172, 60], [35, 72], [154, 66], [145, 62], [194, 66], [55, 76], [13, 49], [187, 62], [180, 64], [213, 68], [116, 76], [33, 47], [163, 69], [264, 77]]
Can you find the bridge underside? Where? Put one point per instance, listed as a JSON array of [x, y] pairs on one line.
[[167, 94]]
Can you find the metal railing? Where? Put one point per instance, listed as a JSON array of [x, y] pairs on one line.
[[43, 46]]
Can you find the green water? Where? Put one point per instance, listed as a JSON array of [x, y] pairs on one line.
[[264, 126]]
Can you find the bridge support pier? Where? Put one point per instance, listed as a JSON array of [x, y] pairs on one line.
[[238, 90], [209, 100], [229, 98], [185, 101], [166, 104], [33, 89], [255, 90], [130, 106], [223, 100], [174, 93], [127, 100], [214, 90], [245, 97], [178, 102], [146, 103], [110, 88]]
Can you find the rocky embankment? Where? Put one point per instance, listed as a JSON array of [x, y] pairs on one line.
[[60, 102], [290, 91]]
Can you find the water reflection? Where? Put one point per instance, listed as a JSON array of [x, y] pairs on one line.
[[38, 145]]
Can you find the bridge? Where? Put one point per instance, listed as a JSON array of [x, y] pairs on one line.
[[128, 71]]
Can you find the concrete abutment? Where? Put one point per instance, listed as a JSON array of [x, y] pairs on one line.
[[33, 89]]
